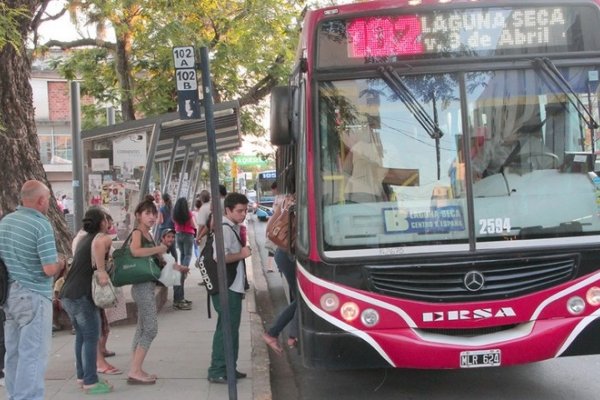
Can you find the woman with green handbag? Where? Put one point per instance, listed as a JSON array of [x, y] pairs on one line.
[[143, 245]]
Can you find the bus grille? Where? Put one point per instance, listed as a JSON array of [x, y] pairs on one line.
[[445, 282], [470, 332]]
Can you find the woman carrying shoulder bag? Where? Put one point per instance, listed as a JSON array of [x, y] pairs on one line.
[[76, 298], [286, 263], [101, 255], [142, 245]]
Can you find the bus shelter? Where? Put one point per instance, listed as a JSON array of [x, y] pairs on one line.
[[123, 162]]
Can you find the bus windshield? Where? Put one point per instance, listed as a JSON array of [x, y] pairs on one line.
[[396, 151]]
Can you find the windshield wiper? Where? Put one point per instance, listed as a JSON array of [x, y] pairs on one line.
[[546, 65], [393, 80], [428, 123]]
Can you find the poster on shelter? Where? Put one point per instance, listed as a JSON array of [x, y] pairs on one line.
[[129, 152], [95, 182], [100, 164], [113, 194]]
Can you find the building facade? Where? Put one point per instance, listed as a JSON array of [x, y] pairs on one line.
[[51, 101]]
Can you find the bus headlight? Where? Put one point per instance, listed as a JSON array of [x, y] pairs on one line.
[[349, 311], [369, 317], [593, 296], [575, 305], [330, 302]]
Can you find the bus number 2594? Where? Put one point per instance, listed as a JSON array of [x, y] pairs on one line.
[[490, 226]]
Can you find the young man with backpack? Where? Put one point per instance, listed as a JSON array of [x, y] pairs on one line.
[[235, 207]]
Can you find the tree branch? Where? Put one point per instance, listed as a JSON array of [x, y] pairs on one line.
[[262, 87], [81, 43], [37, 18], [53, 17], [216, 37]]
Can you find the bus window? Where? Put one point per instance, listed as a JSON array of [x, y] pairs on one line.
[[526, 133], [383, 165]]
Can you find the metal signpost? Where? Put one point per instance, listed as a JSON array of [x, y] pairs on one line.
[[189, 108]]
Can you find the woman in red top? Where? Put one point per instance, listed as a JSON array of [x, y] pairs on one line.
[[184, 238]]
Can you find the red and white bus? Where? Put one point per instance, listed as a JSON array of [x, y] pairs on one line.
[[448, 203]]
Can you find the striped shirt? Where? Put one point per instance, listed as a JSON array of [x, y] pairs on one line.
[[26, 244]]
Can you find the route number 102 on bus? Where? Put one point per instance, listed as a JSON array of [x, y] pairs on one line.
[[443, 157]]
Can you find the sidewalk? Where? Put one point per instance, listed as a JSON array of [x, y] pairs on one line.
[[180, 354]]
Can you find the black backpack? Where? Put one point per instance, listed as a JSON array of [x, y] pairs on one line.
[[208, 266], [3, 283]]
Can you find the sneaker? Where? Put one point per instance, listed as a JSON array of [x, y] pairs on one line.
[[186, 301], [182, 306], [1, 382]]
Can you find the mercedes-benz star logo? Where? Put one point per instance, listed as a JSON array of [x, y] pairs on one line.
[[474, 281]]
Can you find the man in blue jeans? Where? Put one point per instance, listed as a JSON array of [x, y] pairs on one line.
[[27, 246]]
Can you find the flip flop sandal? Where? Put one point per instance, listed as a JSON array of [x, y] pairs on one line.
[[292, 342], [272, 343], [110, 371], [99, 388], [136, 381]]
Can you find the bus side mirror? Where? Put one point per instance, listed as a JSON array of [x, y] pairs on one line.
[[281, 133]]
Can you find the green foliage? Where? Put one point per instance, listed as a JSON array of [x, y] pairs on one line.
[[95, 68], [9, 26], [247, 41], [9, 33], [250, 120]]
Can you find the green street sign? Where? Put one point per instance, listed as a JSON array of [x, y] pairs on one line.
[[245, 161]]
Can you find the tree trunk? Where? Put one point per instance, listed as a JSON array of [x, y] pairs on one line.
[[124, 74], [20, 159]]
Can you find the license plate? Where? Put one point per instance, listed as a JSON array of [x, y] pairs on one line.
[[480, 358]]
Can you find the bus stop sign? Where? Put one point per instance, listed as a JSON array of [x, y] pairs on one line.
[[187, 82]]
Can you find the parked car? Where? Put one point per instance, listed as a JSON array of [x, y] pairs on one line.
[[263, 213]]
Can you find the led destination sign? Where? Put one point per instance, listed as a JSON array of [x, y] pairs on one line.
[[467, 32], [482, 29]]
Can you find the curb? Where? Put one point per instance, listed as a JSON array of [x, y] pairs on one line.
[[261, 373]]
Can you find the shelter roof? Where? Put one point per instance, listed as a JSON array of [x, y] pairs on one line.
[[183, 132]]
